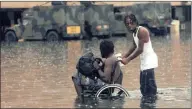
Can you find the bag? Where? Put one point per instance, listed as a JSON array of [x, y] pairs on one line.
[[85, 66]]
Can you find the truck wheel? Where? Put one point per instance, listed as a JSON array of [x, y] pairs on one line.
[[52, 36], [87, 35], [110, 35], [10, 36], [81, 37]]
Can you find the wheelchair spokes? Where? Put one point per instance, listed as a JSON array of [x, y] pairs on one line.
[[112, 91]]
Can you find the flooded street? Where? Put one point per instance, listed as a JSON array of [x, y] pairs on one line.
[[38, 74]]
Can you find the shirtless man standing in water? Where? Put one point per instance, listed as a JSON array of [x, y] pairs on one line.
[[148, 59]]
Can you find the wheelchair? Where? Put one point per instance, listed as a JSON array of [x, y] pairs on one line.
[[102, 92]]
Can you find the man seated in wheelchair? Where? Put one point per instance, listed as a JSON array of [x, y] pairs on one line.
[[94, 72]]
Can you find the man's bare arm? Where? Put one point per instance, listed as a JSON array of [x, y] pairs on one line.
[[106, 75], [131, 49], [143, 38]]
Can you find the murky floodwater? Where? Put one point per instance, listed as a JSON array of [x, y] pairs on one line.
[[38, 74]]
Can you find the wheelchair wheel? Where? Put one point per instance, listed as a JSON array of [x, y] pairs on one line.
[[111, 91]]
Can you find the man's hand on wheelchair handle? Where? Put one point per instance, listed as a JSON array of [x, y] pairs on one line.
[[124, 61]]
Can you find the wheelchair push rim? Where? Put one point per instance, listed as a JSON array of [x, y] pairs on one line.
[[111, 91]]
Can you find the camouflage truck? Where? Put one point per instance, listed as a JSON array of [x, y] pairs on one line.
[[74, 21], [47, 23], [98, 17], [117, 21], [60, 21], [155, 16]]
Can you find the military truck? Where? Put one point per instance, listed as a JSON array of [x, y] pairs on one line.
[[61, 21], [56, 22], [156, 16], [98, 16], [117, 22], [48, 23]]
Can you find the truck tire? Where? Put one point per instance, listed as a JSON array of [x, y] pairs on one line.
[[52, 36], [110, 35], [86, 36], [10, 36], [81, 37]]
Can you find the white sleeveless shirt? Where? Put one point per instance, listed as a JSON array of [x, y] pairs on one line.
[[148, 57]]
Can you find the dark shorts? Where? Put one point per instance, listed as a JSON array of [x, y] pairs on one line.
[[147, 82]]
